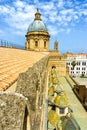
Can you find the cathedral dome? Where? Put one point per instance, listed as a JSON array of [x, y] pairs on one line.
[[37, 24]]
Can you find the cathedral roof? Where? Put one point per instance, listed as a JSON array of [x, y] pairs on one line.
[[12, 65], [37, 24]]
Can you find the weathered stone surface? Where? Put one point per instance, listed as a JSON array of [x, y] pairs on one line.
[[29, 81], [12, 111]]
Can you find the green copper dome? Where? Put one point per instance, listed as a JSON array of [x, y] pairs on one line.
[[37, 24]]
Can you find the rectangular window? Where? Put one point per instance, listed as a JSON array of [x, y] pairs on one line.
[[83, 68], [72, 68], [78, 63], [83, 63]]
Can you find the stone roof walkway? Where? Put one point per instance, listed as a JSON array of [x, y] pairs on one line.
[[79, 112], [14, 61]]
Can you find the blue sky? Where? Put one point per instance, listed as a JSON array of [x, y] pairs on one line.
[[66, 21]]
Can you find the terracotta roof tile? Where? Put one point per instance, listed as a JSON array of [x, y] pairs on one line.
[[15, 61], [3, 85]]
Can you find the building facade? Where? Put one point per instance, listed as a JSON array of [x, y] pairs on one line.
[[37, 37], [81, 64]]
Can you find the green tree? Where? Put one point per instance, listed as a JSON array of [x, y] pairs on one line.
[[73, 64]]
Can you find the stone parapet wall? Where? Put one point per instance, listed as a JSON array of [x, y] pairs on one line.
[[32, 85], [32, 80]]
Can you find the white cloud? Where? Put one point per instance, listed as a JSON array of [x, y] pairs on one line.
[[60, 3], [69, 3], [52, 30], [21, 13], [48, 6], [67, 11], [4, 10], [84, 12], [53, 17], [76, 17], [36, 1], [19, 4], [19, 16]]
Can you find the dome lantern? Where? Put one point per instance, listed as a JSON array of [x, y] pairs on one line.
[[37, 15]]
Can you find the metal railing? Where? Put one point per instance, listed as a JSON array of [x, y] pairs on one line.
[[5, 43]]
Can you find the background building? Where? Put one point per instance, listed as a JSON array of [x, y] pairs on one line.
[[80, 61]]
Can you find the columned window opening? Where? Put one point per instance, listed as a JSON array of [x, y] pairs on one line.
[[44, 44], [36, 43], [28, 45]]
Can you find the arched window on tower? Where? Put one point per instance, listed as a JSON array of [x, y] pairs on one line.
[[44, 44], [53, 67], [36, 43]]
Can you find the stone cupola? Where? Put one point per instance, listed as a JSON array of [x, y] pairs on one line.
[[37, 37]]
